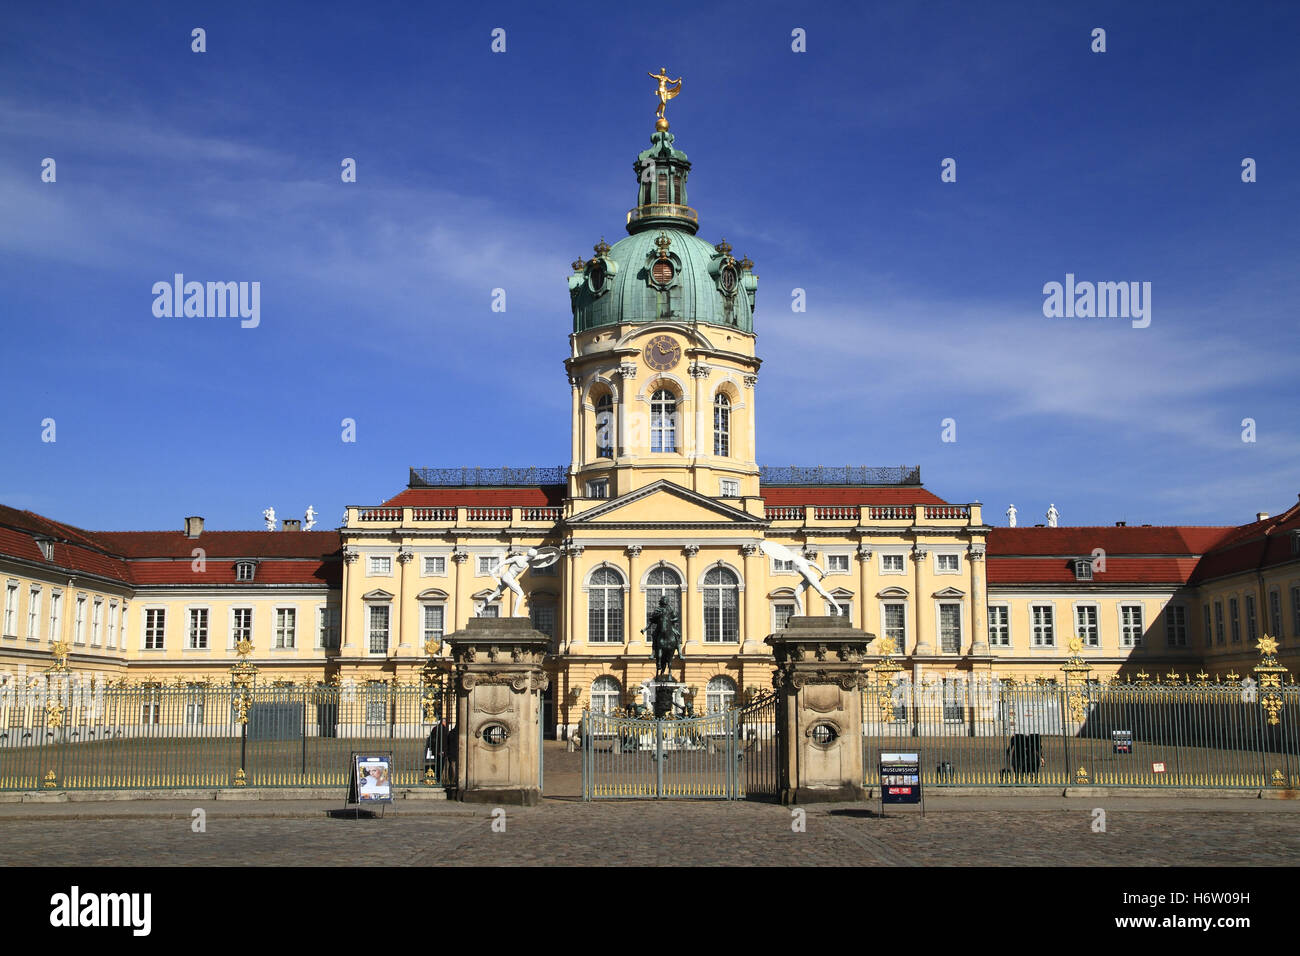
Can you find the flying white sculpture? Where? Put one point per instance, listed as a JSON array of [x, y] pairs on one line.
[[309, 521], [1052, 516], [516, 563], [269, 516], [805, 567]]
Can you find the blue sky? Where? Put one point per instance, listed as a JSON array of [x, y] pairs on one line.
[[479, 170]]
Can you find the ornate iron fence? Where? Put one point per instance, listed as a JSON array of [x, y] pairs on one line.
[[999, 733], [760, 770], [470, 477], [640, 757], [54, 735], [838, 475]]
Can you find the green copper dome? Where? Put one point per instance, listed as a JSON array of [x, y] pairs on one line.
[[662, 272]]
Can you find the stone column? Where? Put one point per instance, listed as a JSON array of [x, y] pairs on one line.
[[864, 554], [404, 558], [924, 645], [978, 614], [819, 679], [752, 623], [750, 382], [635, 610], [689, 600], [458, 558], [499, 681], [575, 385]]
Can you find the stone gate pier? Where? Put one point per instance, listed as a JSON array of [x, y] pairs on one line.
[[819, 679], [499, 681]]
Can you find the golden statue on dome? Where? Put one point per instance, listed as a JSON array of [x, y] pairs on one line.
[[666, 91]]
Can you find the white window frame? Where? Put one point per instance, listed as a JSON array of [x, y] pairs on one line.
[[1127, 637], [720, 591], [598, 488], [371, 607], [839, 556], [424, 566], [376, 561], [327, 627], [605, 693], [96, 621], [79, 621], [1176, 631], [1095, 608], [939, 604], [149, 611], [495, 557], [612, 635], [782, 567], [902, 562], [10, 628], [34, 593], [1082, 565], [938, 567], [245, 571], [900, 645], [722, 689], [1275, 612], [190, 613], [728, 487], [56, 615], [1003, 639], [233, 627], [1046, 629], [284, 630], [111, 641], [782, 603], [425, 607]]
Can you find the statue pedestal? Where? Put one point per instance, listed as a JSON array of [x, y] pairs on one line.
[[499, 682], [666, 687], [819, 679]]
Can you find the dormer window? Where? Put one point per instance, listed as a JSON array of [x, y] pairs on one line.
[[244, 570], [1295, 542], [1082, 569], [47, 547]]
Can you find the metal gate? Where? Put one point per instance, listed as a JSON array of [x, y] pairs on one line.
[[640, 757], [760, 774]]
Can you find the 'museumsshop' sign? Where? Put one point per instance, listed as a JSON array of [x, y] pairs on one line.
[[900, 778]]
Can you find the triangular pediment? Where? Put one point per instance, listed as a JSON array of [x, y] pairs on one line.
[[663, 503]]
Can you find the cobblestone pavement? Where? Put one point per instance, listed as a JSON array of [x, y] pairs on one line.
[[956, 831]]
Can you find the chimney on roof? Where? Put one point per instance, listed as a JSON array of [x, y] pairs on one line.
[[291, 524], [193, 526], [1261, 515]]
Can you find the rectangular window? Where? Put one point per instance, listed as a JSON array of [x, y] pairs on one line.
[[1085, 625], [1295, 612], [198, 637], [1275, 613], [598, 488], [96, 622], [837, 562], [376, 702], [1209, 633], [286, 627], [782, 567], [34, 614], [327, 628], [895, 618], [891, 564], [1130, 625], [435, 565], [11, 608], [950, 627], [948, 563], [155, 628], [729, 487], [999, 625], [379, 629], [1043, 626], [112, 624], [433, 617], [954, 700], [543, 618], [241, 625], [487, 563], [244, 571], [1234, 619], [151, 707], [56, 616], [1082, 570], [194, 700], [491, 610], [1176, 625], [79, 631], [1250, 619], [781, 614], [380, 566], [1218, 623]]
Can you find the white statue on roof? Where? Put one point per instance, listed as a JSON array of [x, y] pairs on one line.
[[516, 563], [805, 567], [309, 518], [269, 516], [1052, 516], [1011, 516]]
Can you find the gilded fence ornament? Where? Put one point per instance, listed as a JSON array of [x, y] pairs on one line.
[[60, 651], [1143, 677], [1232, 676], [1270, 679], [51, 781], [1278, 780], [1202, 678], [241, 780], [54, 711], [1081, 776]]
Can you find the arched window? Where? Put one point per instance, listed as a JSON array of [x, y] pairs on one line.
[[663, 582], [605, 607], [721, 600], [605, 694], [663, 421], [722, 425], [719, 695], [605, 426]]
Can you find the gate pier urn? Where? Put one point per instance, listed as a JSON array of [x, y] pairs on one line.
[[819, 679], [497, 670]]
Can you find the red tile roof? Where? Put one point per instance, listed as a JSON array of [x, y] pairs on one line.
[[223, 544], [1119, 570], [1081, 541], [848, 495], [1260, 544], [536, 497]]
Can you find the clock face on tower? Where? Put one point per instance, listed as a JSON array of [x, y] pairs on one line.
[[662, 353]]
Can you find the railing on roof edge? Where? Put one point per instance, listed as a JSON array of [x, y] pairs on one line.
[[767, 475]]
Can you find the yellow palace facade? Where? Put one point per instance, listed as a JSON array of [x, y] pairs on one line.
[[663, 496]]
